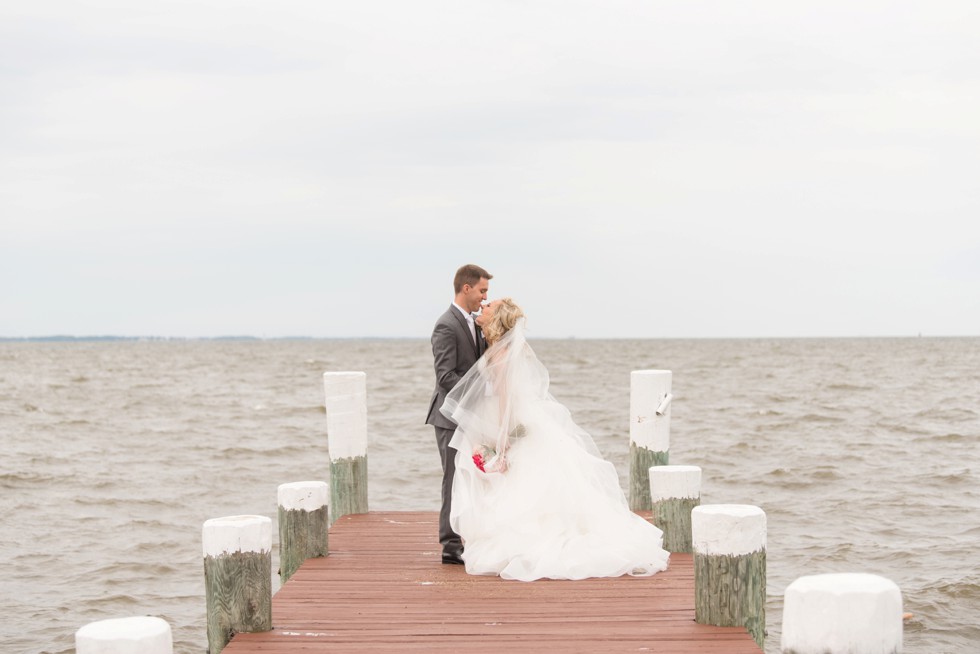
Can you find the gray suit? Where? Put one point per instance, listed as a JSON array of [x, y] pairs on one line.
[[454, 352]]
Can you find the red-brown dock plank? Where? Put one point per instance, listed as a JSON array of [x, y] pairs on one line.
[[384, 588]]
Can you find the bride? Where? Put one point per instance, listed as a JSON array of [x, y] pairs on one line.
[[532, 496]]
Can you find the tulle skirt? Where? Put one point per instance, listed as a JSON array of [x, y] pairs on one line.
[[557, 512]]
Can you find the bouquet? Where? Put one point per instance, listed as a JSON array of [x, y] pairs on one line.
[[486, 459]]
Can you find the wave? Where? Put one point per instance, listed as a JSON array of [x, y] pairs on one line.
[[848, 387], [963, 589], [819, 418], [948, 438], [122, 573], [23, 479], [270, 450], [897, 428], [945, 414], [966, 475], [825, 474]]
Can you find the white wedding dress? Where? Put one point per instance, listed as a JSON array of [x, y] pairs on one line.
[[557, 510]]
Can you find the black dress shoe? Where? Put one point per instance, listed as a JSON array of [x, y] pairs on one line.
[[452, 558]]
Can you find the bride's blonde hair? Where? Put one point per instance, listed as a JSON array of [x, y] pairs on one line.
[[505, 316]]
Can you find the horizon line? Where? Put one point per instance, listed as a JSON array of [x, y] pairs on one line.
[[246, 337]]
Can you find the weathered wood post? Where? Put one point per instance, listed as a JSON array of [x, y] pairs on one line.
[[136, 635], [674, 492], [346, 401], [851, 613], [730, 567], [649, 431], [303, 524], [237, 577]]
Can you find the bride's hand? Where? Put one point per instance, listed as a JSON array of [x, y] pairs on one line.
[[497, 464]]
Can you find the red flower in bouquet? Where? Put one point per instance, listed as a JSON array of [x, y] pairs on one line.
[[486, 460]]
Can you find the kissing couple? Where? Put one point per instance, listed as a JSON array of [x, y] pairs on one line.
[[525, 493]]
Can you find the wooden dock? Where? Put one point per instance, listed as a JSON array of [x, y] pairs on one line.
[[383, 588]]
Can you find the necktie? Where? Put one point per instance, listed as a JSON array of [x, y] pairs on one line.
[[472, 324]]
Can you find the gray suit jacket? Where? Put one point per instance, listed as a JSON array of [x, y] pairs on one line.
[[454, 353]]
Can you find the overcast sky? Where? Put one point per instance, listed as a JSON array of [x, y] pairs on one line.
[[624, 169]]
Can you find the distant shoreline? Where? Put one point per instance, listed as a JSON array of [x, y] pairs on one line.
[[90, 339], [59, 338]]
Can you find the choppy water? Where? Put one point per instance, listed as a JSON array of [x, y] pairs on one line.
[[863, 453]]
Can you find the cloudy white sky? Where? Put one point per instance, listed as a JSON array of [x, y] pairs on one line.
[[624, 169]]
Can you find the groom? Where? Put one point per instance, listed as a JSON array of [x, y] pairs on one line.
[[457, 343]]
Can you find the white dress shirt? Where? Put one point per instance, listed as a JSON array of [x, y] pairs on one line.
[[469, 321]]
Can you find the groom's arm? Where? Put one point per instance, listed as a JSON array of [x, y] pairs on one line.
[[444, 354]]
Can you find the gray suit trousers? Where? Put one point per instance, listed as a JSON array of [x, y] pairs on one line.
[[450, 540]]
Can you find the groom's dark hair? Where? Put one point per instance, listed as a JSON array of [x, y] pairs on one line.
[[469, 274]]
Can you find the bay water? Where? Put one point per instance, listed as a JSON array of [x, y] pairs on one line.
[[864, 454]]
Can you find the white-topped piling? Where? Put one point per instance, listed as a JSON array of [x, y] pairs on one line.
[[346, 403], [303, 524], [135, 635], [674, 492], [852, 613], [729, 542], [650, 399], [237, 577]]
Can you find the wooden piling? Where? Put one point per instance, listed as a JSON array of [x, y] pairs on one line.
[[346, 403], [730, 567], [136, 635], [851, 613], [650, 400], [237, 577], [303, 524], [675, 491]]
